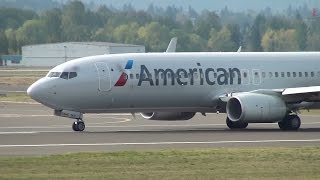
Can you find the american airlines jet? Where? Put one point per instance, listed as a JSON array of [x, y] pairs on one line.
[[249, 87]]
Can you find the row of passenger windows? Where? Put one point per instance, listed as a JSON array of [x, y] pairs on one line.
[[285, 74], [244, 74], [63, 75]]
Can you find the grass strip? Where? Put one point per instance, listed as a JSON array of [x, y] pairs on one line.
[[16, 97], [233, 163]]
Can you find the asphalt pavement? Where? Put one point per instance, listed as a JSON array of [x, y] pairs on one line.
[[32, 129]]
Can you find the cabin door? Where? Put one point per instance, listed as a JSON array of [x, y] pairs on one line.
[[104, 76]]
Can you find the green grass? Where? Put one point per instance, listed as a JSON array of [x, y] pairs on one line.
[[16, 97], [21, 77], [23, 73], [260, 163]]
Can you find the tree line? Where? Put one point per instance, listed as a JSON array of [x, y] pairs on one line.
[[205, 31]]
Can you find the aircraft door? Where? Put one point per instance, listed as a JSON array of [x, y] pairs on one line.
[[104, 76], [256, 74]]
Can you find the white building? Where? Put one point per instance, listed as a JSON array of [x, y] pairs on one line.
[[49, 55]]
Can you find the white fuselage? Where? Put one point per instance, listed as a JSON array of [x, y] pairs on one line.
[[182, 82]]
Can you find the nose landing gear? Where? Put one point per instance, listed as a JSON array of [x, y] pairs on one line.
[[78, 125]]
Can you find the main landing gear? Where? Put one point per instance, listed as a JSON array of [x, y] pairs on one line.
[[290, 123], [78, 125], [236, 125]]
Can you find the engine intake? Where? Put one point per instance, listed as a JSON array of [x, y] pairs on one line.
[[256, 108], [168, 116]]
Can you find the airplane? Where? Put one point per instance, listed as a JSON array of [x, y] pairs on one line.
[[250, 87]]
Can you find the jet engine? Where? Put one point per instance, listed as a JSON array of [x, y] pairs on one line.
[[168, 116], [256, 108]]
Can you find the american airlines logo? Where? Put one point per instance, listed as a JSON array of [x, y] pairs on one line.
[[164, 77], [124, 76], [209, 76]]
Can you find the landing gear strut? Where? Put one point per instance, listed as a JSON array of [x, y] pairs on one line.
[[78, 125], [236, 124], [290, 123]]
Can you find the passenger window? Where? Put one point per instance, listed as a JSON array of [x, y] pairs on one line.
[[294, 74], [312, 74], [318, 73], [306, 74], [263, 75], [137, 76], [300, 74], [288, 74], [245, 75], [282, 74], [72, 75], [276, 74], [270, 74], [64, 75], [131, 76]]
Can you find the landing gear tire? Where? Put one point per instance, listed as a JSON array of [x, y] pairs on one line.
[[236, 125], [290, 123], [78, 125]]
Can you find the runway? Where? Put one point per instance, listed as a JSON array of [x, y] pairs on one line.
[[31, 129]]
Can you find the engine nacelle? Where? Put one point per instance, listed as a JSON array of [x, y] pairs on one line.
[[256, 108], [168, 116]]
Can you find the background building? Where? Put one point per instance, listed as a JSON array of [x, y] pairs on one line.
[[48, 55]]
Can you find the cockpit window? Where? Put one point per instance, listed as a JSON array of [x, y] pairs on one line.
[[64, 75], [72, 75], [54, 74]]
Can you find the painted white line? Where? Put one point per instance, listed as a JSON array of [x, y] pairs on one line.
[[37, 127], [123, 120], [311, 123], [3, 133], [17, 102], [159, 143], [130, 126], [22, 115], [95, 125], [24, 70], [3, 91], [107, 114], [50, 115]]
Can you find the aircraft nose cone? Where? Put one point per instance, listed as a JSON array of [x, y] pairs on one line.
[[37, 90], [32, 91]]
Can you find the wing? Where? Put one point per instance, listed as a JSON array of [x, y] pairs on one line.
[[301, 90], [289, 95]]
